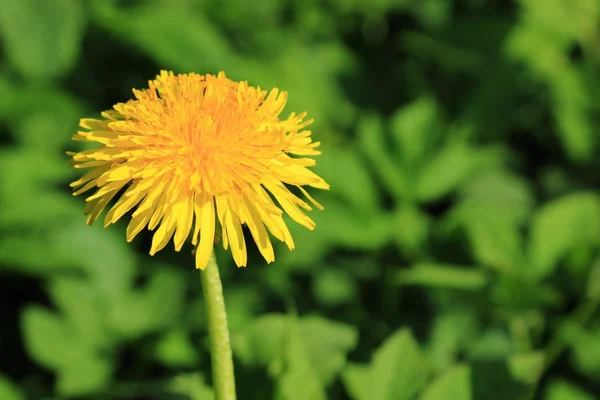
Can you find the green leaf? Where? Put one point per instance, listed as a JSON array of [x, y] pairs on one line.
[[452, 165], [345, 226], [532, 294], [29, 254], [542, 41], [444, 276], [491, 380], [312, 85], [262, 343], [103, 254], [493, 344], [52, 342], [326, 343], [593, 284], [398, 369], [576, 130], [192, 386], [335, 166], [8, 390], [47, 337], [340, 225], [493, 208], [559, 19], [586, 349], [44, 120], [242, 304], [311, 246], [451, 333], [495, 242], [432, 13], [498, 191], [333, 287], [177, 36], [80, 305], [84, 374], [42, 37], [527, 367], [561, 390], [357, 379], [29, 211], [174, 349], [187, 38], [313, 352], [9, 90], [396, 372], [372, 142], [494, 232], [155, 307], [411, 228], [559, 227], [455, 384], [26, 170], [300, 380], [415, 129]]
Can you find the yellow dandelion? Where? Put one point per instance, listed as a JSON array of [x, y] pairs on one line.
[[196, 149]]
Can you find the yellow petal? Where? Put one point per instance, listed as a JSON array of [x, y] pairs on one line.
[[184, 212], [236, 238], [163, 234], [207, 231], [258, 231], [221, 203], [123, 205], [99, 205]]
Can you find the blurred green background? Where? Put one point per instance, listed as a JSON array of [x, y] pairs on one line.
[[458, 254]]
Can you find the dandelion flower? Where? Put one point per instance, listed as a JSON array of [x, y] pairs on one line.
[[192, 150]]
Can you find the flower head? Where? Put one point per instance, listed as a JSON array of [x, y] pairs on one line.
[[196, 149]]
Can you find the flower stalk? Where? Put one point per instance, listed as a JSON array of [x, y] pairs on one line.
[[218, 333]]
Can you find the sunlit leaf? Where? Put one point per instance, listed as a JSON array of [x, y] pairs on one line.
[[450, 334], [324, 345], [191, 385], [336, 165], [397, 371], [333, 286], [9, 391], [150, 309], [175, 349], [444, 276], [415, 129], [562, 390], [450, 167], [560, 226], [53, 343], [373, 145], [454, 384], [411, 230], [81, 305], [50, 45], [300, 380], [527, 367]]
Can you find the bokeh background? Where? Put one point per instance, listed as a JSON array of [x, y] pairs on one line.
[[458, 254]]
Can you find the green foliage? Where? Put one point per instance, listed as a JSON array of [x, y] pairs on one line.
[[397, 371], [51, 45], [305, 354], [564, 391], [454, 384], [8, 390], [458, 255]]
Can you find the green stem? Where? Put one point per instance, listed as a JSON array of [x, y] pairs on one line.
[[220, 348]]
